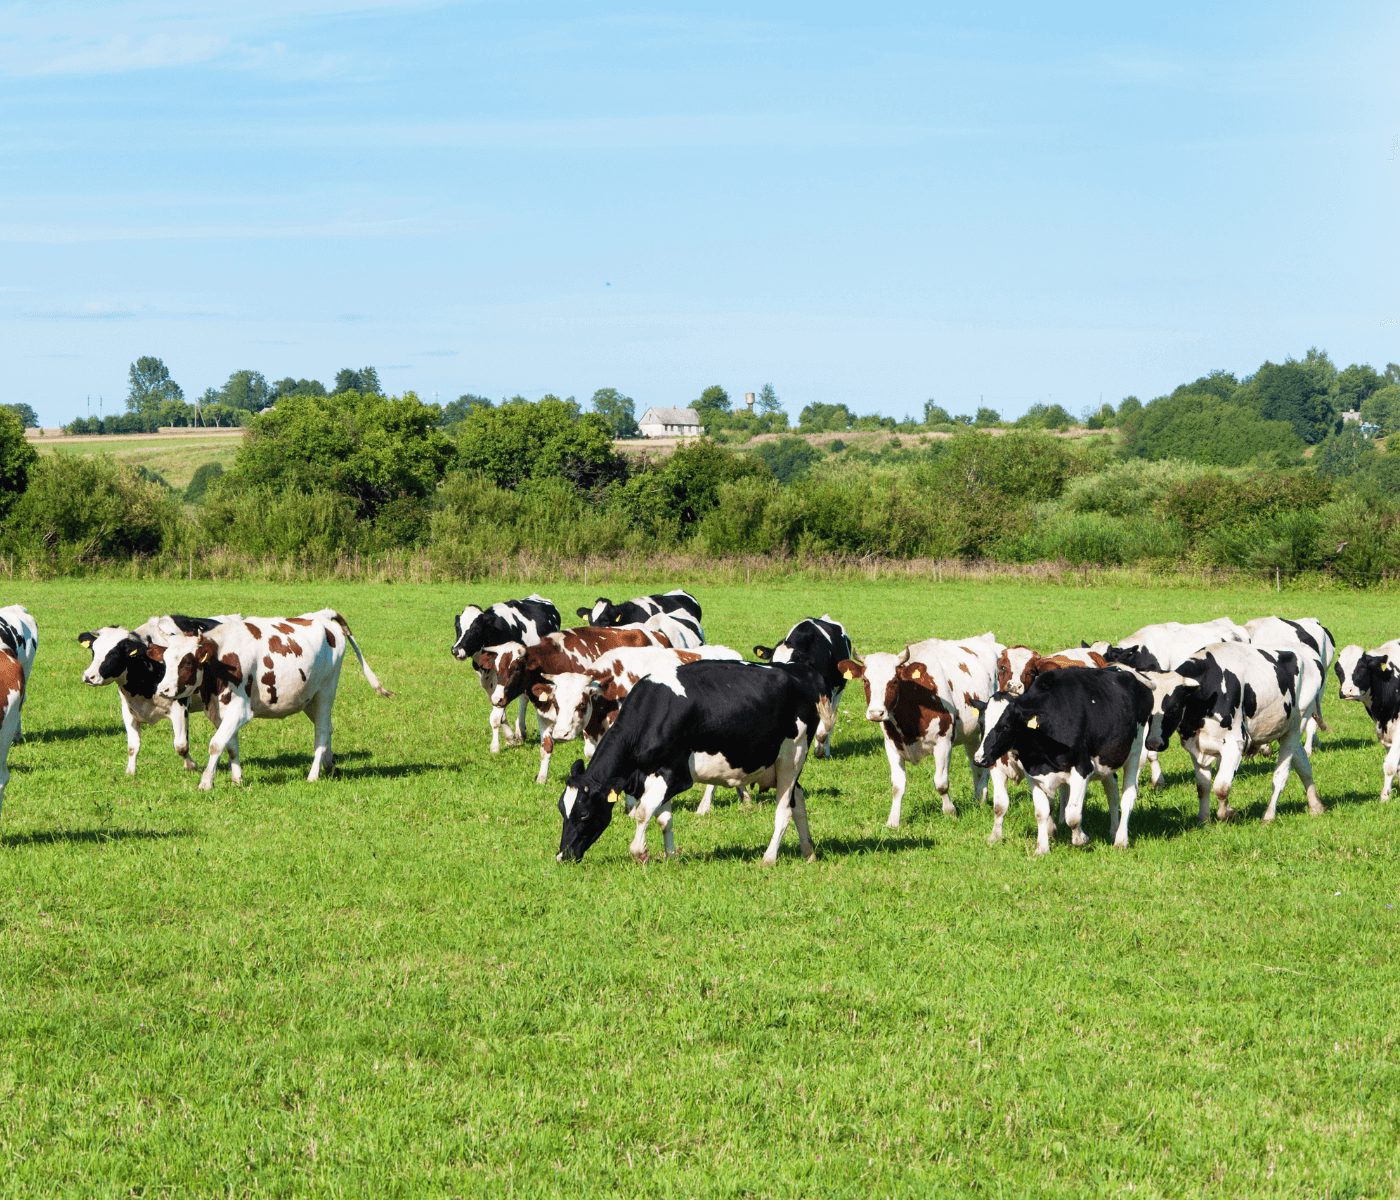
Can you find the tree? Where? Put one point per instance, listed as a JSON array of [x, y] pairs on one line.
[[17, 459], [936, 414], [247, 390], [1354, 385], [985, 417], [1045, 416], [1206, 429], [1382, 409], [28, 418], [789, 458], [151, 388], [365, 380], [768, 403], [618, 411], [1298, 391], [523, 440], [295, 387], [1343, 454], [712, 400], [825, 418], [373, 449], [1102, 417], [454, 412]]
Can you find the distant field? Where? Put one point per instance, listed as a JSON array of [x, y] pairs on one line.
[[383, 984], [176, 457]]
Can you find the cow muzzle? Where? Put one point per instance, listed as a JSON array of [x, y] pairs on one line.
[[458, 653], [93, 679], [875, 714], [1156, 744]]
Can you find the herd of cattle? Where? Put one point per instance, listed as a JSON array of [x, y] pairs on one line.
[[658, 710]]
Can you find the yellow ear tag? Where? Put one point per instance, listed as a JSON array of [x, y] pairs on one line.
[[86, 643], [848, 674], [915, 673], [612, 797], [134, 653], [1033, 723]]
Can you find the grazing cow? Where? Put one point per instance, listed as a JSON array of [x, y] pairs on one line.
[[821, 643], [678, 604], [1071, 726], [586, 702], [24, 632], [1017, 666], [524, 621], [519, 670], [1373, 677], [925, 700], [1246, 698], [19, 641], [1306, 635], [119, 655], [720, 722], [261, 667]]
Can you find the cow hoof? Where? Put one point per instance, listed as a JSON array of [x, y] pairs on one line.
[[1226, 814], [1315, 807], [949, 809], [670, 854], [768, 862], [1039, 850], [641, 857], [1079, 838], [541, 778], [993, 839], [1120, 843], [190, 765], [205, 787], [892, 823]]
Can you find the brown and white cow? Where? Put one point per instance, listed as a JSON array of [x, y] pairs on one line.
[[261, 667], [516, 669], [586, 702], [1018, 666], [19, 641], [925, 699]]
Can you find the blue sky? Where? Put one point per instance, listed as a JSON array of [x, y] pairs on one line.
[[870, 203]]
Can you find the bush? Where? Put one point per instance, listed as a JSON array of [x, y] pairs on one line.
[[1201, 427], [81, 509], [206, 474], [522, 440], [312, 527], [1098, 539], [789, 458], [17, 459]]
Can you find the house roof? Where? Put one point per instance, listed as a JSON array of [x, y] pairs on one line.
[[673, 416]]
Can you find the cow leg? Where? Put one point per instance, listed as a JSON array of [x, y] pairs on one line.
[[799, 817], [232, 719], [1200, 764], [668, 836], [1001, 801], [546, 752], [133, 735], [319, 710], [979, 774], [180, 723], [1118, 814], [652, 798], [497, 716], [1063, 794], [898, 778], [519, 738], [1293, 757], [4, 779], [1230, 756], [942, 756], [1044, 830], [1074, 809], [706, 801], [235, 764], [1154, 761], [787, 769], [1391, 765]]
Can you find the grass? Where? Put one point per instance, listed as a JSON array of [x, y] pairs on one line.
[[384, 985], [174, 457]]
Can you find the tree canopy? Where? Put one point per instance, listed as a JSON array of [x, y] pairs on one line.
[[523, 440], [17, 459], [618, 411]]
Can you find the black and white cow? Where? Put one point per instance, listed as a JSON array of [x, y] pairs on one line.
[[1305, 635], [510, 621], [679, 604], [1246, 698], [19, 642], [1071, 726], [728, 723], [822, 644], [119, 655], [1373, 677]]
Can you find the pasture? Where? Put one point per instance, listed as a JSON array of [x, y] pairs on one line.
[[174, 457], [383, 984]]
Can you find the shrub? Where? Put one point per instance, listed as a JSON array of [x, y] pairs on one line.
[[17, 459], [522, 440], [206, 474], [789, 458], [314, 526]]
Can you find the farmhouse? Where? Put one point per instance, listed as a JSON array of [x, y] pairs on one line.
[[671, 422]]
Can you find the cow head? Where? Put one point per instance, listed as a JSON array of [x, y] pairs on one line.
[[114, 650], [570, 695], [1013, 665], [470, 637], [1138, 657], [185, 659], [1359, 674], [500, 670], [603, 612], [587, 808], [1003, 717], [1171, 692], [884, 675]]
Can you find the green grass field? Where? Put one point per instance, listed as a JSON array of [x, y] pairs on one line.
[[174, 457], [383, 984]]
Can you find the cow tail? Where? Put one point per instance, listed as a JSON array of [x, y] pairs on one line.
[[364, 666]]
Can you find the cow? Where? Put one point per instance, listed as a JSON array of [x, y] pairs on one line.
[[1017, 666], [1373, 677], [1246, 698], [1305, 635], [679, 604], [728, 723], [119, 655], [822, 643], [925, 700], [19, 642], [524, 621], [586, 702], [1071, 726], [520, 670], [24, 632], [261, 667]]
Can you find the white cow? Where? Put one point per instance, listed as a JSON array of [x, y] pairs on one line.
[[1305, 635], [262, 667], [19, 641]]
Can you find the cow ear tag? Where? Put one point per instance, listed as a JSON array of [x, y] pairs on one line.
[[915, 673], [1033, 723], [848, 674], [85, 643], [135, 652], [612, 796]]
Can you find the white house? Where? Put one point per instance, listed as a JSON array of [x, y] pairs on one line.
[[671, 422]]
